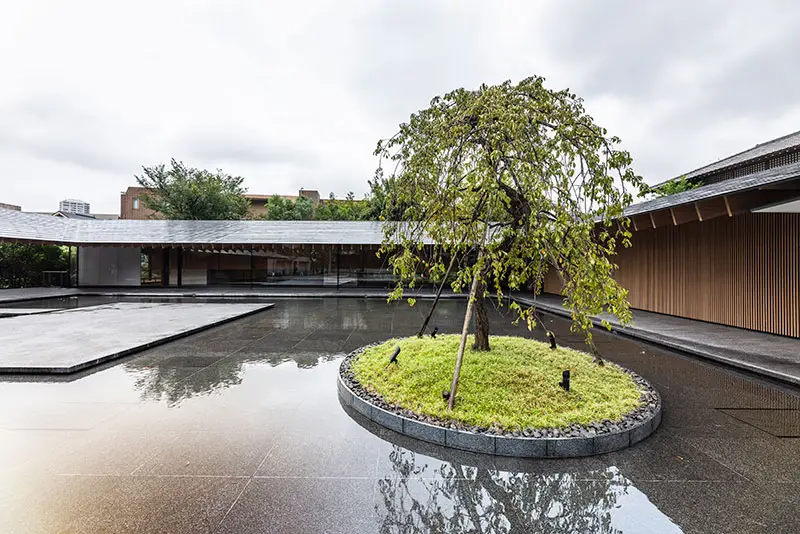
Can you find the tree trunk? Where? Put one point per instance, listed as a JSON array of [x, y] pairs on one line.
[[481, 322], [436, 300], [598, 358]]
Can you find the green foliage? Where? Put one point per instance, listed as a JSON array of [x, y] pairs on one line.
[[673, 187], [514, 386], [22, 265], [531, 164], [348, 209], [382, 202], [303, 208], [183, 193], [279, 209], [284, 209]]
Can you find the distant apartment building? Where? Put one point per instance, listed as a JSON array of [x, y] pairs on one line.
[[131, 205], [71, 205], [13, 207]]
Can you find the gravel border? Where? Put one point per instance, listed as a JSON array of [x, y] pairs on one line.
[[577, 440]]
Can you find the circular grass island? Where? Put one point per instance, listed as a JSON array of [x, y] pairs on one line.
[[509, 401]]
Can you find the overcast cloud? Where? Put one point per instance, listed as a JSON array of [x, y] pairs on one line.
[[293, 95]]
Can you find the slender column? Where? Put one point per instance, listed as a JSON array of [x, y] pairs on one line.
[[362, 274], [180, 267], [338, 258], [165, 254]]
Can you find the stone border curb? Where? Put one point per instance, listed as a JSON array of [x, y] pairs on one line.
[[520, 447]]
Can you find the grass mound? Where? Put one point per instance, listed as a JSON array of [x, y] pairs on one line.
[[515, 385]]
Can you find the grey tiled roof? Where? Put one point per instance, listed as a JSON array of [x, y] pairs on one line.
[[727, 187], [758, 151], [69, 215], [34, 227]]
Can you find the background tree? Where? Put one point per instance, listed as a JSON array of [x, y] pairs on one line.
[[382, 203], [347, 209], [22, 265], [518, 179], [672, 187], [303, 208], [184, 193], [279, 209], [284, 209]]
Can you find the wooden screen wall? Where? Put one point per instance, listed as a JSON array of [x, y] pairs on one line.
[[741, 271]]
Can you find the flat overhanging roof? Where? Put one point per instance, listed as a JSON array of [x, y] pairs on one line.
[[32, 227]]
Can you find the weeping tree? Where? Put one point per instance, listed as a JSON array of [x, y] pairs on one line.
[[502, 185]]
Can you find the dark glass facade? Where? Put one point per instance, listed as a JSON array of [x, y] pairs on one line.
[[278, 265]]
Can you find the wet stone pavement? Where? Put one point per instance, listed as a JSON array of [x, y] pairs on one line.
[[238, 429]]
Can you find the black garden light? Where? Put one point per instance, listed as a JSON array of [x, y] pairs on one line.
[[564, 380]]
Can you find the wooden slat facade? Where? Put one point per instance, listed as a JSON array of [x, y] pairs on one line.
[[740, 271]]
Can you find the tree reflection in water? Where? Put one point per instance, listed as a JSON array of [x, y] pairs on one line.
[[174, 384], [457, 498], [177, 379]]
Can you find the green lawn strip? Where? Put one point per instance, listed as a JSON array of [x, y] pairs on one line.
[[515, 385]]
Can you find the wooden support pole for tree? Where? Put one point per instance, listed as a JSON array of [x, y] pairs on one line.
[[464, 331], [436, 300], [468, 315]]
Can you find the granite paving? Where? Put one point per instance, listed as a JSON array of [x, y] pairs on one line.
[[70, 340], [238, 429]]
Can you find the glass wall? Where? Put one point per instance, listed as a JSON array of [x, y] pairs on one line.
[[152, 263], [269, 265]]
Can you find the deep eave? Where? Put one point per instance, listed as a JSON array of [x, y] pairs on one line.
[[729, 197]]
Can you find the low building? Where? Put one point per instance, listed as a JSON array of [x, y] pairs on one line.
[[183, 253], [71, 215], [12, 207], [97, 216]]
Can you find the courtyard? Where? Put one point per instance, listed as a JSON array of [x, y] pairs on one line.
[[239, 429]]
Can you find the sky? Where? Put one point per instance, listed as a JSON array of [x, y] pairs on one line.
[[294, 95]]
